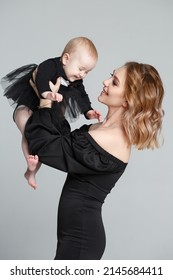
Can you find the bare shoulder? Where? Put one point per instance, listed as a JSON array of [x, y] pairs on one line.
[[94, 126], [114, 141]]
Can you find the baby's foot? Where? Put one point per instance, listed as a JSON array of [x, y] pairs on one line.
[[30, 177], [32, 162]]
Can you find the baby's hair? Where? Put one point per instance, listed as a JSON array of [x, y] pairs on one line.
[[144, 95], [84, 42]]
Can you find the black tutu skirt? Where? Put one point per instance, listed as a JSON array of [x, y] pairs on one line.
[[17, 88], [18, 91]]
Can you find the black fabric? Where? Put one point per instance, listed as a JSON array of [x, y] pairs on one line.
[[17, 88], [81, 234], [19, 92], [92, 173]]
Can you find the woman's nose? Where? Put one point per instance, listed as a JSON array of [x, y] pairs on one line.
[[106, 82]]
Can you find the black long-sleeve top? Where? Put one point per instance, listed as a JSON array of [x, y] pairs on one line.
[[74, 152]]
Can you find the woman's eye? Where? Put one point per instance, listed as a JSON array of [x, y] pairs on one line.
[[114, 80]]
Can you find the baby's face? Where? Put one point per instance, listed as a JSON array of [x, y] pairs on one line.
[[78, 64]]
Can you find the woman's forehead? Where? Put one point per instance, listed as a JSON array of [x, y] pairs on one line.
[[120, 74]]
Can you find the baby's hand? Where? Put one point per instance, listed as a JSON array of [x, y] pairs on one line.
[[93, 114], [54, 96], [55, 87]]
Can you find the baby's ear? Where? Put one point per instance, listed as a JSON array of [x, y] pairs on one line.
[[65, 58]]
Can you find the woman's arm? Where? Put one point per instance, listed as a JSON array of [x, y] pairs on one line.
[[51, 141]]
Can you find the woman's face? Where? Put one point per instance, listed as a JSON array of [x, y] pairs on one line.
[[113, 89]]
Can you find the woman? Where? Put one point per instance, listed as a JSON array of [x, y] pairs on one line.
[[95, 156]]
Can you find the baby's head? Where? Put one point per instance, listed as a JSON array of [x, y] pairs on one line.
[[78, 58]]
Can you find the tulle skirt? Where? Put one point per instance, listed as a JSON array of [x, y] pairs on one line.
[[18, 91]]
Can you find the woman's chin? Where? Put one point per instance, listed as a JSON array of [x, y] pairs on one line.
[[100, 99]]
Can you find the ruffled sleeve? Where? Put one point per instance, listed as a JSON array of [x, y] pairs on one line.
[[87, 151]]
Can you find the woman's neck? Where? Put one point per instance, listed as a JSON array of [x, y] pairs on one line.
[[113, 118]]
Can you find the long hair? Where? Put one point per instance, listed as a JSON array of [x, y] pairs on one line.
[[144, 94]]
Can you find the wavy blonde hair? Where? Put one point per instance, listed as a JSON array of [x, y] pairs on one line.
[[144, 94]]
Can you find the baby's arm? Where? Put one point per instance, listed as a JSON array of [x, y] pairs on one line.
[[46, 72], [85, 105], [93, 114], [52, 95], [54, 87]]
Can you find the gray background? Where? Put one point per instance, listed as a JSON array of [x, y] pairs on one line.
[[138, 212]]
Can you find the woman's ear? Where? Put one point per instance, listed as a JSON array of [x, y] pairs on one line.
[[125, 104], [65, 58]]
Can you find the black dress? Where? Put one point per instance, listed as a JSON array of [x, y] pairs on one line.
[[92, 173]]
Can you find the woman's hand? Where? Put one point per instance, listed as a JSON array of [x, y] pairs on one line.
[[32, 82]]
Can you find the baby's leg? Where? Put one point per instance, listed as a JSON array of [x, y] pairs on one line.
[[21, 116], [30, 175]]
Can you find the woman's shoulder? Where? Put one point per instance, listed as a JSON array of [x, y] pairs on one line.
[[92, 142], [89, 152], [114, 141]]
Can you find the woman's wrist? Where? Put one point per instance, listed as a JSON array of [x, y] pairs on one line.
[[45, 103]]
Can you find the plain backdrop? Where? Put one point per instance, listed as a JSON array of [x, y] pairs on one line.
[[138, 214]]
